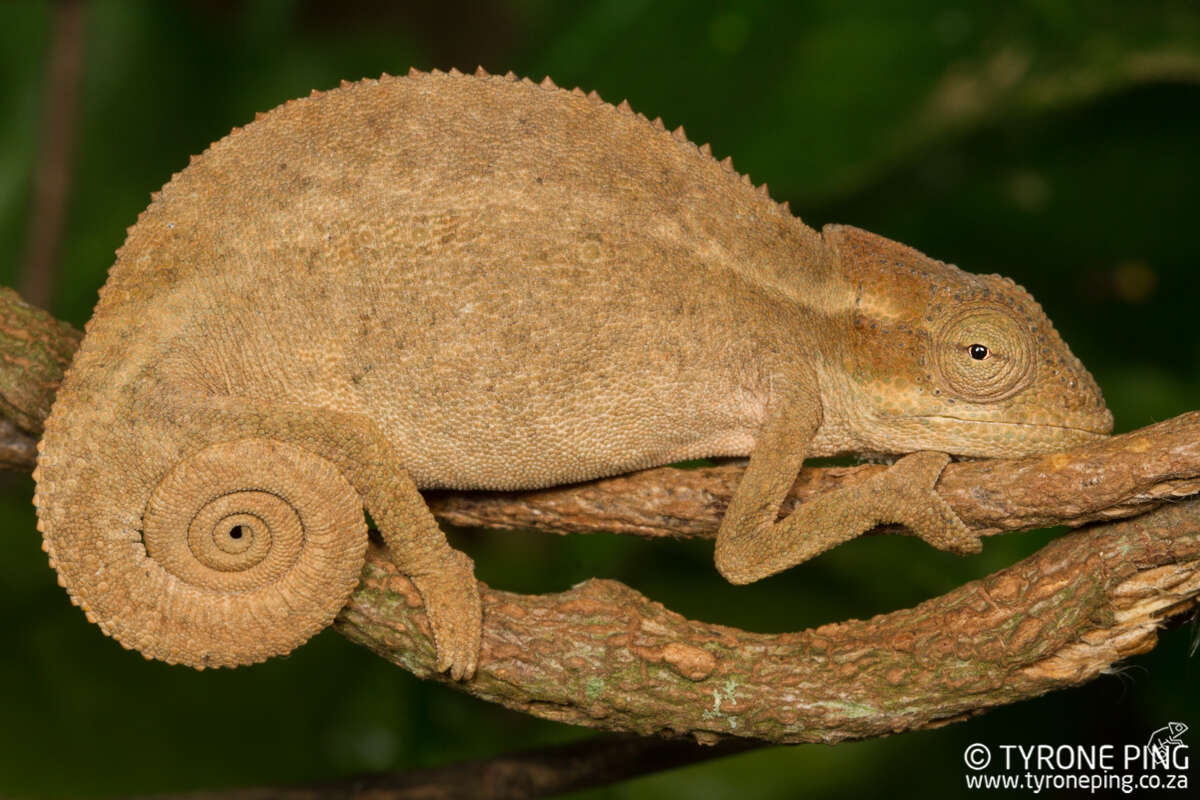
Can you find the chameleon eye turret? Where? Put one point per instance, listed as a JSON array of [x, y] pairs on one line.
[[983, 373]]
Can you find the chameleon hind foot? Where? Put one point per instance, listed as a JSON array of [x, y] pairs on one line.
[[455, 613]]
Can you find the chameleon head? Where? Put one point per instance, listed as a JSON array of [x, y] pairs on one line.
[[940, 359]]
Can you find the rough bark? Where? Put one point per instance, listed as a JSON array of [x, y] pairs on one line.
[[35, 350], [603, 655]]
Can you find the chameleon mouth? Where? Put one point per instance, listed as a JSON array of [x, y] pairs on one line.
[[1003, 439], [977, 438], [965, 438], [1099, 431]]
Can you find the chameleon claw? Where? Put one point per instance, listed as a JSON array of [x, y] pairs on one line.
[[452, 604], [924, 512], [949, 533]]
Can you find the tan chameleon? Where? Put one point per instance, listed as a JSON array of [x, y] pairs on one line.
[[480, 282]]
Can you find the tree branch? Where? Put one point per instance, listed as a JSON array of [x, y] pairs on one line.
[[35, 350], [1113, 478], [544, 772], [52, 176], [603, 655]]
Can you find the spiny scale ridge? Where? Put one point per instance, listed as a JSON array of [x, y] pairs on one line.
[[679, 134], [547, 84]]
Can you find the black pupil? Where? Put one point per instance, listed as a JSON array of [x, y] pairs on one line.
[[237, 532], [978, 352]]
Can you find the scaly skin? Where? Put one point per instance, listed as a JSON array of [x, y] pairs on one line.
[[479, 282]]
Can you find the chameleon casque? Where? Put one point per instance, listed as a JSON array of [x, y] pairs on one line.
[[463, 281]]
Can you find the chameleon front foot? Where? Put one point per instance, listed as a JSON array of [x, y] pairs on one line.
[[751, 545], [912, 501], [455, 614]]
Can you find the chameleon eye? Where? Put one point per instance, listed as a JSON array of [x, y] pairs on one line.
[[988, 372]]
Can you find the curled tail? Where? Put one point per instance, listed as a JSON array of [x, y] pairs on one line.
[[193, 550]]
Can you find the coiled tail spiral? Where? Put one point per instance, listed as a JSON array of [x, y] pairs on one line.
[[247, 549]]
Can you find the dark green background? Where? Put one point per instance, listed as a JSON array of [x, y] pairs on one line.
[[1054, 142]]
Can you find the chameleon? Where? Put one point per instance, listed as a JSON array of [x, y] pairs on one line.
[[464, 281]]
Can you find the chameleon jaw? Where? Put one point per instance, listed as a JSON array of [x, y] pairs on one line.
[[979, 438]]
